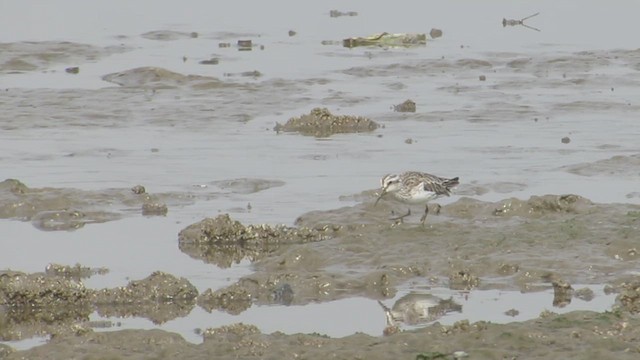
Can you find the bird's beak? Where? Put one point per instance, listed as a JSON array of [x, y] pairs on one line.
[[384, 191]]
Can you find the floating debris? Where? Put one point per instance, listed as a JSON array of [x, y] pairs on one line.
[[566, 140], [520, 22], [212, 61], [320, 122], [336, 13], [292, 33], [387, 40], [512, 312], [482, 78], [72, 70]]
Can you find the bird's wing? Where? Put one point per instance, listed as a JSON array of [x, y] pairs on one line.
[[436, 187]]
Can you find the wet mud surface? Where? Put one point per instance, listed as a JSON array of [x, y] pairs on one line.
[[546, 242], [54, 209], [40, 55], [544, 140]]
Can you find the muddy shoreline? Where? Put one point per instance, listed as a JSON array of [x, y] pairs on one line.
[[546, 242], [201, 184]]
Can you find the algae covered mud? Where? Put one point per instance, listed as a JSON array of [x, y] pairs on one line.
[[203, 183], [355, 252]]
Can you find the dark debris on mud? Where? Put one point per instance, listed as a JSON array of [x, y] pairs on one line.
[[321, 122]]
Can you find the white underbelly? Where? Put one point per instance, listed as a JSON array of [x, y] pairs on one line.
[[419, 198]]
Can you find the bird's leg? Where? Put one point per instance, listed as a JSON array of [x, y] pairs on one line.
[[424, 217], [402, 216]]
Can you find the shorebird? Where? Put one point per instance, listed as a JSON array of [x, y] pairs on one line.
[[413, 187]]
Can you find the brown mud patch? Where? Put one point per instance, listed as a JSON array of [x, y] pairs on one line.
[[543, 243], [168, 35], [321, 122], [159, 78], [511, 244], [223, 241], [620, 165], [55, 209], [32, 56], [41, 304], [247, 185], [552, 336]]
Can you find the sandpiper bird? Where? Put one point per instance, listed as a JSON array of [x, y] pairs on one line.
[[415, 187]]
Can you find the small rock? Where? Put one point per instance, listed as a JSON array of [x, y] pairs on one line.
[[562, 293], [566, 140], [282, 294], [72, 70], [138, 189], [483, 78], [406, 106], [584, 294], [512, 312], [212, 61], [292, 33], [435, 33]]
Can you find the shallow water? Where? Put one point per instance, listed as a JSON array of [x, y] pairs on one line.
[[502, 136]]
